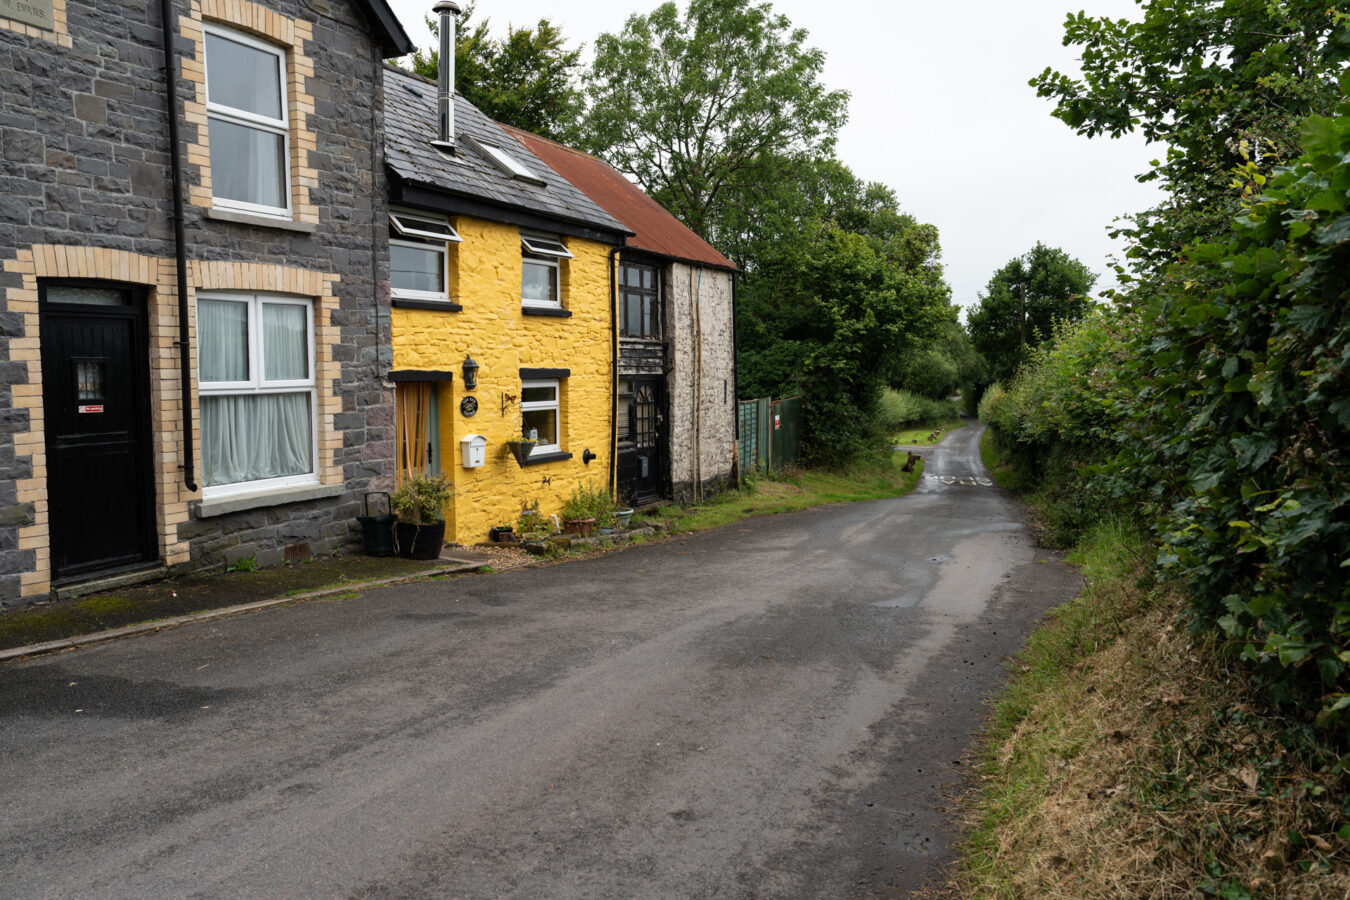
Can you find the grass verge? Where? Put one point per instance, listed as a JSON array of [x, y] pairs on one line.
[[919, 436], [1124, 761], [791, 491]]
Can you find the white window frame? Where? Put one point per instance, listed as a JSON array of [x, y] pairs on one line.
[[254, 121], [543, 250], [554, 404], [405, 224], [256, 384]]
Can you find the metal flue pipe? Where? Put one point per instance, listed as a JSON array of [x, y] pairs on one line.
[[447, 11]]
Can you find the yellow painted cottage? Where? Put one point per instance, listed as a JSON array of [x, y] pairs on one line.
[[502, 325]]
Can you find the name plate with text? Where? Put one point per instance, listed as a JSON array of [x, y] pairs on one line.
[[37, 13]]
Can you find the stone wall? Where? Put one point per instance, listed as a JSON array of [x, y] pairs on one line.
[[702, 381], [502, 340], [85, 191]]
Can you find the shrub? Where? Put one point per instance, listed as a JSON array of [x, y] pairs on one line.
[[899, 410], [588, 500], [422, 500]]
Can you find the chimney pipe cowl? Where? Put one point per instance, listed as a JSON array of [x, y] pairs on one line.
[[447, 12]]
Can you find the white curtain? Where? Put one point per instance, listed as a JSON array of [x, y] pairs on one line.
[[250, 437], [222, 353], [285, 345]]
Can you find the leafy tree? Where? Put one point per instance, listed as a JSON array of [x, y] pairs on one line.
[[1203, 77], [830, 314], [702, 108], [936, 369], [1024, 299], [526, 80]]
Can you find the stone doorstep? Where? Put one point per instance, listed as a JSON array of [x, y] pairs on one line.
[[105, 583]]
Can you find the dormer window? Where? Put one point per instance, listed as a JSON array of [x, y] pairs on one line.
[[419, 256], [502, 159], [541, 262]]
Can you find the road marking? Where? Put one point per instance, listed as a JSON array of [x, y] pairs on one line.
[[955, 480]]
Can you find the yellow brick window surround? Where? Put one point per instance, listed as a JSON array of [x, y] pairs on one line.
[[41, 19], [254, 32], [158, 278]]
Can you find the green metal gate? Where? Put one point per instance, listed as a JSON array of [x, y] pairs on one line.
[[785, 441], [770, 433]]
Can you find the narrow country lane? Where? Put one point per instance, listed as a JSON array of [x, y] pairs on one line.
[[777, 708]]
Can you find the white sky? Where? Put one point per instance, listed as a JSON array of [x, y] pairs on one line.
[[942, 113]]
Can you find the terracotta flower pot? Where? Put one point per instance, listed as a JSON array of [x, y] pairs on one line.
[[579, 527]]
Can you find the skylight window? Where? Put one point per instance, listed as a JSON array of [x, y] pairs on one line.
[[545, 246], [433, 229], [507, 163]]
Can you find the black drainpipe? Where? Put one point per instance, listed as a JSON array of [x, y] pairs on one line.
[[614, 368], [179, 240]]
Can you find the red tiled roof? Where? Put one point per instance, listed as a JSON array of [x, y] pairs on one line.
[[655, 230]]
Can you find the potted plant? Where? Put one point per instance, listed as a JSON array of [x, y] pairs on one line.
[[420, 505], [587, 504]]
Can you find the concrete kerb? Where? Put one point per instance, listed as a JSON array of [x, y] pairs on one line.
[[207, 615]]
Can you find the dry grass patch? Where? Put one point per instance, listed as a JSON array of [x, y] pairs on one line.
[[1126, 762]]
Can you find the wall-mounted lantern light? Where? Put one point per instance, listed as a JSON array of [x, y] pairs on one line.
[[470, 373]]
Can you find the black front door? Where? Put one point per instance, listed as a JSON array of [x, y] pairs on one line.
[[642, 455], [96, 399]]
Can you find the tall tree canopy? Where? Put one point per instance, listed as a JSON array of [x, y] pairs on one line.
[[832, 306], [691, 105], [1003, 326], [526, 80], [1204, 77]]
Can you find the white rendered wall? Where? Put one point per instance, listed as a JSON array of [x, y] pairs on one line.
[[702, 383]]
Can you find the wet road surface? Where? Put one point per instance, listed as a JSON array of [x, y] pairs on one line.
[[778, 708]]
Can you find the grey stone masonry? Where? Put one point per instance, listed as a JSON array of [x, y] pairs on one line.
[[85, 162]]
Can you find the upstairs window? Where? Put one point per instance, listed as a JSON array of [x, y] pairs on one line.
[[540, 279], [640, 306], [419, 256], [247, 124]]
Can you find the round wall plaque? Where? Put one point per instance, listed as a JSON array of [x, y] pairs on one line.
[[468, 406]]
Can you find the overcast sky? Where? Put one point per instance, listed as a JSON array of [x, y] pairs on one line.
[[942, 113]]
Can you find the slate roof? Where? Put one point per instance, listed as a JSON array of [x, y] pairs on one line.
[[655, 229], [410, 126]]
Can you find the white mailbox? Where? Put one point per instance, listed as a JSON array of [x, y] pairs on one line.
[[473, 448]]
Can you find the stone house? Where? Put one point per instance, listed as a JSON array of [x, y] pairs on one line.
[[193, 296], [676, 397], [502, 324]]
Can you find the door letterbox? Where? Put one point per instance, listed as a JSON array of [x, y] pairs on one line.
[[473, 449]]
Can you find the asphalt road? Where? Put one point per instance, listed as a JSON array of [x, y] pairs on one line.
[[778, 708]]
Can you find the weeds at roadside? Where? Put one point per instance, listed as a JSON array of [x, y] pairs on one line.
[[243, 564], [1125, 762]]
